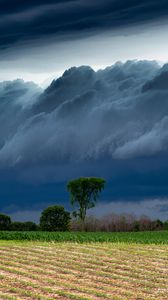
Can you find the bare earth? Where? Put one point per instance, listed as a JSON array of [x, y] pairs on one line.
[[87, 271]]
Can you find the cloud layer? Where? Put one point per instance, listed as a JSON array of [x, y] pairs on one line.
[[111, 123], [22, 21], [116, 113]]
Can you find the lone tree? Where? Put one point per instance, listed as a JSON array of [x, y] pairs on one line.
[[55, 218], [84, 192], [5, 222]]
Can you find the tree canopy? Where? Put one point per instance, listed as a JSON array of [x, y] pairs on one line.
[[5, 222], [84, 192], [55, 218]]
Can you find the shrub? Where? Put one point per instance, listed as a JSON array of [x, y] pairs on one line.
[[55, 218], [5, 222], [165, 225], [23, 226]]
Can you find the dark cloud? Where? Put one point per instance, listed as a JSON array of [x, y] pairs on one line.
[[22, 21], [15, 96], [85, 123], [104, 114], [158, 83], [8, 6]]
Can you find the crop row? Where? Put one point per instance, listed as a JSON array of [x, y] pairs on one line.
[[148, 237], [33, 270]]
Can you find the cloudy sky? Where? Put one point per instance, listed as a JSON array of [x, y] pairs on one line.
[[83, 92], [40, 39]]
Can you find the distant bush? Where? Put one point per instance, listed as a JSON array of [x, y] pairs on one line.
[[23, 226], [5, 222], [119, 223], [165, 225], [55, 218]]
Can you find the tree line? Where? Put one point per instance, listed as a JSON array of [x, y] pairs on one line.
[[84, 193], [55, 218]]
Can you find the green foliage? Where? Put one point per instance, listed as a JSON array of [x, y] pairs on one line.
[[55, 218], [23, 226], [136, 226], [5, 222], [145, 237], [84, 192], [165, 225], [157, 225]]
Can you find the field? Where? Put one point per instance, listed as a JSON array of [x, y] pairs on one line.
[[69, 270], [148, 237]]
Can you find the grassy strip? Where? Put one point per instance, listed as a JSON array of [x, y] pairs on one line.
[[7, 296], [148, 237]]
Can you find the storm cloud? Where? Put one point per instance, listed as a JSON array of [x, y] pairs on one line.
[[111, 123], [87, 115], [29, 21]]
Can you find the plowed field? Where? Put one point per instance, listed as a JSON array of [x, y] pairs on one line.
[[34, 270]]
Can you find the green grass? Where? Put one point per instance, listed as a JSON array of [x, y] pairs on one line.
[[146, 237]]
